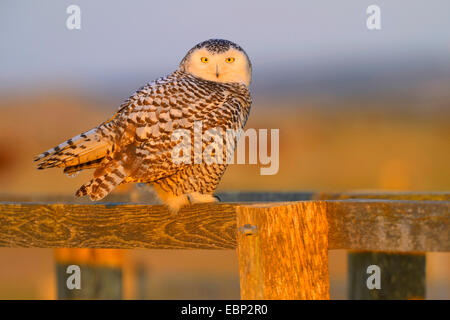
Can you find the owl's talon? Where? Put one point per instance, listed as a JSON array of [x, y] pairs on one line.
[[197, 197]]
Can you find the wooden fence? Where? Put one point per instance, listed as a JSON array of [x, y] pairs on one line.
[[282, 239]]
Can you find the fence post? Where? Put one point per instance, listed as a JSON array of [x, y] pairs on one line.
[[402, 276], [100, 273], [283, 251]]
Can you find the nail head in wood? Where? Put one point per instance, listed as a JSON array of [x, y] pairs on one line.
[[248, 229]]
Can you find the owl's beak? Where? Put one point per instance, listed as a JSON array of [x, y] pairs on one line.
[[217, 71]]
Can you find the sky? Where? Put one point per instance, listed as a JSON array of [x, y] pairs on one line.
[[139, 39]]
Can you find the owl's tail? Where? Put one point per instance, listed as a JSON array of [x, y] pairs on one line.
[[83, 151], [105, 179]]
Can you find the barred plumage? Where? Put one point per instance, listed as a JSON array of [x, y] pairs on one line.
[[136, 144]]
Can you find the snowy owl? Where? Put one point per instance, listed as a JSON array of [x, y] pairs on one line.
[[210, 88]]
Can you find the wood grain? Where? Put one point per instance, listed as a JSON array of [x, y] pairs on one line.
[[116, 226], [282, 251], [376, 225], [380, 224], [383, 225], [402, 274]]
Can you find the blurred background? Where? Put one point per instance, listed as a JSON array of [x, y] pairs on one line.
[[357, 109]]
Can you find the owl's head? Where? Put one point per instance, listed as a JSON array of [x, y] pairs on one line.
[[218, 60]]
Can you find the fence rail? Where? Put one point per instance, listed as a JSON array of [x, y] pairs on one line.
[[282, 246], [375, 225]]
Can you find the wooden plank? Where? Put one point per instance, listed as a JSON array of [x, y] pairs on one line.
[[116, 226], [282, 251], [378, 225], [402, 276], [339, 213], [100, 273], [397, 226]]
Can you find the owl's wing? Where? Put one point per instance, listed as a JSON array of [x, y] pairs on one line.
[[141, 133], [136, 144], [152, 116], [84, 151]]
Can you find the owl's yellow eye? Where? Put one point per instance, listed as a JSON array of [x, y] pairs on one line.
[[204, 59], [229, 60]]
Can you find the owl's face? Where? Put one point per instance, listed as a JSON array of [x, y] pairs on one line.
[[219, 61]]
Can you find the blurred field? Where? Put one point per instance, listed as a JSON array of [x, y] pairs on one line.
[[326, 144]]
